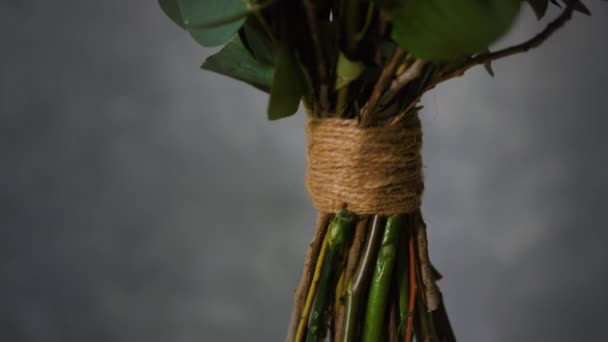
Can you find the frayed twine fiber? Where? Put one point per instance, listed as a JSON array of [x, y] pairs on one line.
[[367, 170]]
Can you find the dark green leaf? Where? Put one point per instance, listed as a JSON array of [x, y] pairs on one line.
[[234, 60], [307, 85], [259, 42], [288, 86], [443, 30], [171, 9], [213, 22], [539, 7]]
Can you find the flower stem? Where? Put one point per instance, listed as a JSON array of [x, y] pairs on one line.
[[356, 286], [403, 280], [311, 292], [307, 274], [427, 328], [381, 280], [426, 299], [412, 288], [354, 255], [337, 239], [392, 335]]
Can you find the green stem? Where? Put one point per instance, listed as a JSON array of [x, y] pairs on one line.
[[341, 101], [392, 334], [427, 331], [338, 236], [354, 255], [355, 290], [403, 281], [317, 320], [381, 280]]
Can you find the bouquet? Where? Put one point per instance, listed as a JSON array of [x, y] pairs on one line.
[[359, 68]]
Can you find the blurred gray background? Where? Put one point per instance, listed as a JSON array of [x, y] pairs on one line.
[[143, 199]]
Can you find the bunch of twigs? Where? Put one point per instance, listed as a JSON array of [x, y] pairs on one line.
[[367, 277]]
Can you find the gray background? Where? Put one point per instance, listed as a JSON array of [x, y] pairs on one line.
[[145, 200]]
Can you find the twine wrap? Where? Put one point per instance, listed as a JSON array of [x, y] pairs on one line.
[[371, 170]]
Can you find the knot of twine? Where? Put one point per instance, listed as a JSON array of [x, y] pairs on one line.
[[367, 170]]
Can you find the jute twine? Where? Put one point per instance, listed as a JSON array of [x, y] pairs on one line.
[[371, 170]]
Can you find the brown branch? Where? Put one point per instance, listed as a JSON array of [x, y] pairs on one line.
[[429, 289], [400, 118], [355, 251], [459, 70], [318, 52], [532, 43], [309, 265], [381, 84], [411, 73]]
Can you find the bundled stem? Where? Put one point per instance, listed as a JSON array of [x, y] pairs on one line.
[[427, 300], [425, 269], [412, 289], [312, 23], [381, 280], [357, 285], [310, 260], [359, 68], [312, 291], [337, 239], [403, 279], [392, 335], [351, 263], [383, 81]]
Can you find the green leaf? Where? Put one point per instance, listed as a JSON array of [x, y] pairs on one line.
[[288, 86], [258, 42], [235, 61], [213, 22], [539, 7], [347, 71], [448, 29], [171, 9]]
